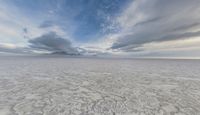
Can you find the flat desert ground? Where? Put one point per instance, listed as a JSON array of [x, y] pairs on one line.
[[98, 86]]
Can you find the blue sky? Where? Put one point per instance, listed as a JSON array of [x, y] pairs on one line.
[[156, 28], [82, 19]]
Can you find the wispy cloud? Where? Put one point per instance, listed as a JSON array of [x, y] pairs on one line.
[[146, 21], [46, 24]]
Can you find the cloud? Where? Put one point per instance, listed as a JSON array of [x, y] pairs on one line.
[[25, 30], [46, 24], [11, 48], [99, 27], [53, 43], [147, 21]]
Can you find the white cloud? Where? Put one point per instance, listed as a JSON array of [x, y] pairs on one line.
[[157, 25], [185, 44]]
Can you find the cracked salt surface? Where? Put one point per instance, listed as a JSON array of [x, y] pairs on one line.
[[81, 86]]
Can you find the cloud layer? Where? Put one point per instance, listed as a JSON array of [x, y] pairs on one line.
[[53, 43], [147, 21], [104, 27], [11, 48]]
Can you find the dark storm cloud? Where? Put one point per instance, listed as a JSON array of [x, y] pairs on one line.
[[53, 43], [157, 20]]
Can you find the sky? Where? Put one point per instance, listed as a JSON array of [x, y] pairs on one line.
[[133, 28]]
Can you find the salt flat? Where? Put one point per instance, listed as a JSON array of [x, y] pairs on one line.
[[94, 86]]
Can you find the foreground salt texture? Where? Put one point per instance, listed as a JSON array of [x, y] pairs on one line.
[[81, 86]]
